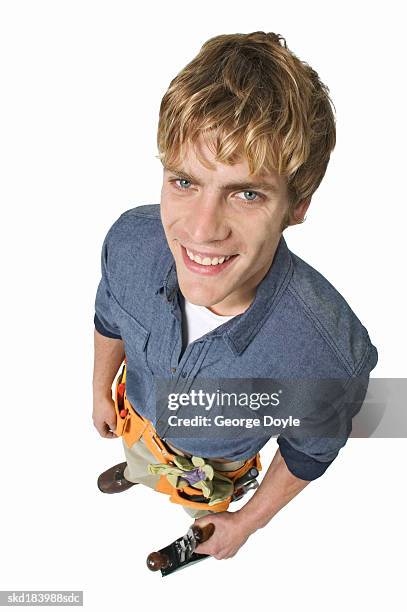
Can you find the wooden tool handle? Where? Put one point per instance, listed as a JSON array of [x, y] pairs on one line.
[[202, 534], [157, 561]]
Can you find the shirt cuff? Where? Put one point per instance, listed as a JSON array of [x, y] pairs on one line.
[[301, 465], [102, 330]]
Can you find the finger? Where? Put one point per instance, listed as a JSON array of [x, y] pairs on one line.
[[202, 549], [100, 429], [204, 520], [106, 433], [110, 432]]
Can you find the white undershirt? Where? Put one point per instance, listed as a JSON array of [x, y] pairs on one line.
[[198, 321]]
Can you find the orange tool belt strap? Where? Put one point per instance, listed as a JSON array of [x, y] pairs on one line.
[[133, 426]]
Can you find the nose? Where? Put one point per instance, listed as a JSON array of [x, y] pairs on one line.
[[206, 220]]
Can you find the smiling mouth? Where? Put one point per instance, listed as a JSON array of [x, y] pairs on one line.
[[204, 259], [206, 265]]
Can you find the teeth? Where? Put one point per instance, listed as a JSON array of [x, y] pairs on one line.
[[207, 261]]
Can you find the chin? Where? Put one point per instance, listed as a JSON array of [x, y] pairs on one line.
[[197, 294]]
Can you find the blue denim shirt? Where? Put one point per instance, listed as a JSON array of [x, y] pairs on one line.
[[298, 325]]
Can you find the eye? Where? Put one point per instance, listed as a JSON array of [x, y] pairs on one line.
[[181, 180], [250, 199]]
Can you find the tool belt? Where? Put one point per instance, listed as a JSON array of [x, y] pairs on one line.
[[132, 427]]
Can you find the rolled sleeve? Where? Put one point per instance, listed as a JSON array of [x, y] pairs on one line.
[[309, 457], [301, 465], [102, 329], [103, 320]]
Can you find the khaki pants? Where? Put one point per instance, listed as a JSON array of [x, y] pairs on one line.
[[138, 457]]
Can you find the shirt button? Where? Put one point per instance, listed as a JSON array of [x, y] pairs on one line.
[[184, 374], [173, 369]]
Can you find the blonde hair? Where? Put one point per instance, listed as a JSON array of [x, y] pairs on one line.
[[260, 102]]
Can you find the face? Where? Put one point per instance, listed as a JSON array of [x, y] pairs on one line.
[[217, 213]]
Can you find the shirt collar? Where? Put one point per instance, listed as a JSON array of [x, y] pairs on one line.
[[240, 331]]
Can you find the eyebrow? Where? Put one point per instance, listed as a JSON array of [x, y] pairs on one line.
[[248, 184]]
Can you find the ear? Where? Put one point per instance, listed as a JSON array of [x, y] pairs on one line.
[[300, 211]]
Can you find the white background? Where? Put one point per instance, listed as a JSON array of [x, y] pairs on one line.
[[81, 86]]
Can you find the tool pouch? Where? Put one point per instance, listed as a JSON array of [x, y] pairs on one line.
[[129, 424], [119, 404]]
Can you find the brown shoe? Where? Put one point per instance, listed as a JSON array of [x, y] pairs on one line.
[[113, 480]]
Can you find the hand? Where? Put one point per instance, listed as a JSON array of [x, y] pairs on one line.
[[104, 416], [229, 535]]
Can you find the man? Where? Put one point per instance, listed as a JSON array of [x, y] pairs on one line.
[[204, 283]]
